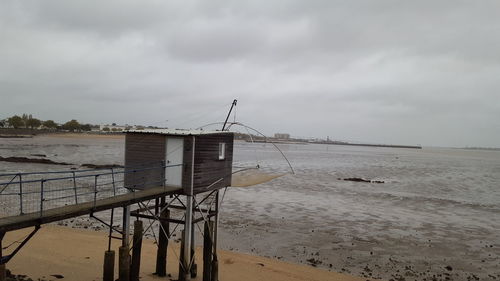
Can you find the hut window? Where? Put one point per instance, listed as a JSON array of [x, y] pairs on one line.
[[222, 151]]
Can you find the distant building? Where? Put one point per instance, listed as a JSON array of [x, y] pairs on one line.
[[282, 136], [112, 128]]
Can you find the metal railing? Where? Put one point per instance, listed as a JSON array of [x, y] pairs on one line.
[[31, 192]]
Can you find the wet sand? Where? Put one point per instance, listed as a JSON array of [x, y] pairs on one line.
[[77, 255]]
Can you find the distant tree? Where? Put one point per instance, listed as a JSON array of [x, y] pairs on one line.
[[2, 123], [33, 122], [114, 124], [15, 121], [71, 126], [49, 124], [25, 118], [86, 127], [105, 129]]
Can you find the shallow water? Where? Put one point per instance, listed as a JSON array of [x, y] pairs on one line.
[[437, 207]]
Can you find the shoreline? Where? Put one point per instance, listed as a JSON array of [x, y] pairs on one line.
[[77, 254], [83, 135]]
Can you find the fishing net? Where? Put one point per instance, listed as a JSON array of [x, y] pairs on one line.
[[256, 160]]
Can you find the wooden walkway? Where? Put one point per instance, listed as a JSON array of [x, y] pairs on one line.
[[70, 211]]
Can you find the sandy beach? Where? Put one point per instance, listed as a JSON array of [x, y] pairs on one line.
[[77, 255]]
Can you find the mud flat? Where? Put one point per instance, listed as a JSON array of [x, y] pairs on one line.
[[77, 255], [435, 217]]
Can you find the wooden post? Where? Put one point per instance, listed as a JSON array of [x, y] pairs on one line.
[[215, 269], [194, 266], [109, 266], [207, 251], [215, 230], [182, 273], [161, 254], [123, 264], [3, 269], [123, 255], [136, 251], [186, 237]]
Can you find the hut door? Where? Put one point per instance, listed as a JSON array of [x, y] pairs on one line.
[[175, 151]]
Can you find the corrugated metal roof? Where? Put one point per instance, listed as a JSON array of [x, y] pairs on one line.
[[176, 132]]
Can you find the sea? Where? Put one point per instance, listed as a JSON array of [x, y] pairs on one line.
[[433, 214]]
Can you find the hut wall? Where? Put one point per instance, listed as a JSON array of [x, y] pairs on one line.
[[144, 153], [210, 172]]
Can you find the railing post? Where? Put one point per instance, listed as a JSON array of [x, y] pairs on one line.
[[74, 187], [134, 178], [95, 189], [163, 167], [21, 193], [113, 180], [41, 196]]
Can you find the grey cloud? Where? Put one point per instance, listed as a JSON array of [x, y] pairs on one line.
[[386, 71]]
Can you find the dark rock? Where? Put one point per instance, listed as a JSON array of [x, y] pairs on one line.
[[39, 155], [357, 179], [104, 166], [314, 262], [31, 160], [363, 180]]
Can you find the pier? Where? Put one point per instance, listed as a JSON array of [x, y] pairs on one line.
[[172, 178]]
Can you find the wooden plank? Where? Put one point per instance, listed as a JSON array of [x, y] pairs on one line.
[[57, 214]]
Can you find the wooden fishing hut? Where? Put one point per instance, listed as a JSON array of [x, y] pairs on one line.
[[200, 163], [196, 160]]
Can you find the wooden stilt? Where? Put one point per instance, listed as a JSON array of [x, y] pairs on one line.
[[188, 232], [123, 251], [194, 266], [109, 266], [182, 272], [161, 254], [215, 260], [123, 264], [3, 268], [3, 272], [136, 251], [207, 251], [215, 269]]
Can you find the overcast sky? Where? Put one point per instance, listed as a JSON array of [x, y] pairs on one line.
[[400, 72]]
